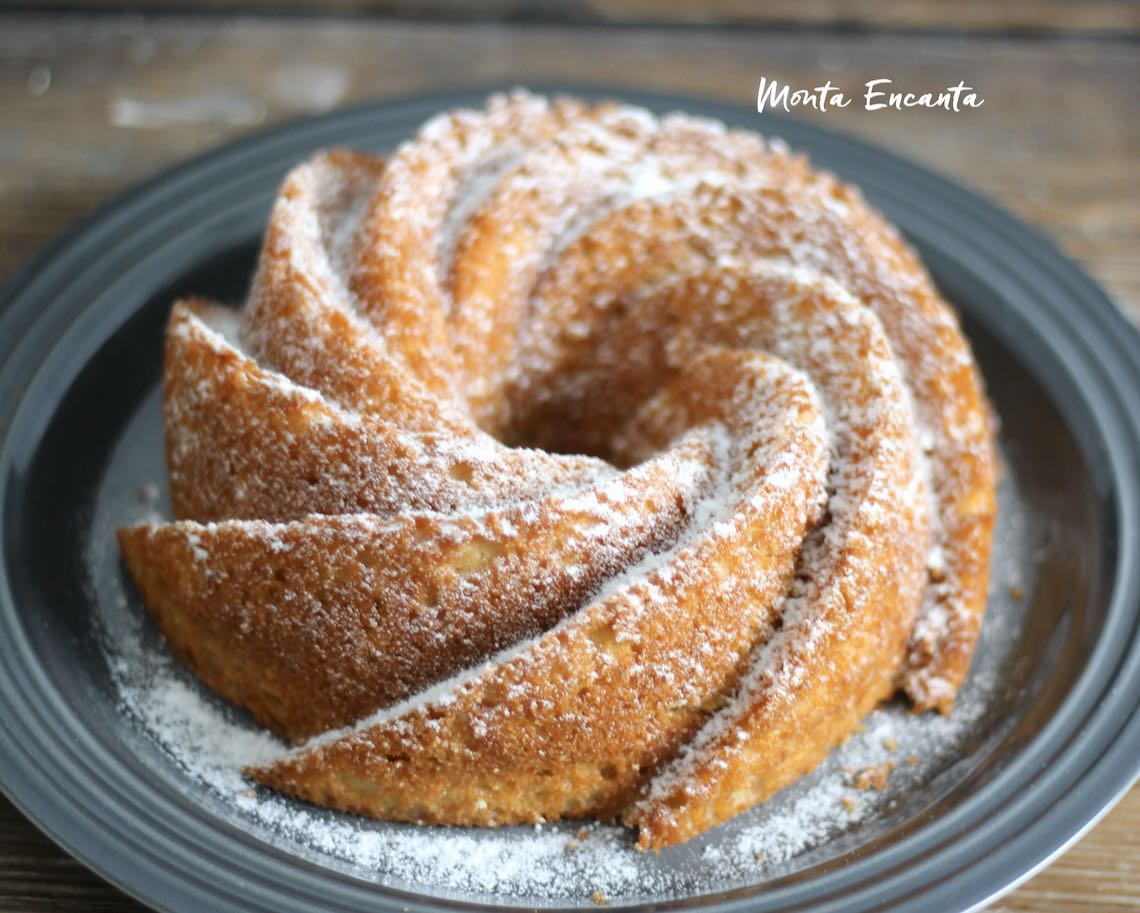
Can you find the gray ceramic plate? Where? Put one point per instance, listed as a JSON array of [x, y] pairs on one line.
[[1047, 737]]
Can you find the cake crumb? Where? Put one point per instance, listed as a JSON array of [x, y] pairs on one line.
[[1017, 592], [571, 846], [599, 898], [890, 743], [850, 805], [582, 834], [874, 777], [760, 857], [912, 760]]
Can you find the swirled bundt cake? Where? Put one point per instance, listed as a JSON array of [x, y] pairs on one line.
[[572, 462]]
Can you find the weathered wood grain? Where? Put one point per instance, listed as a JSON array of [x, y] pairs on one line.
[[92, 104], [1035, 17]]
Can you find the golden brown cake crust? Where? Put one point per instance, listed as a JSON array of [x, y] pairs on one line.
[[610, 694], [574, 461]]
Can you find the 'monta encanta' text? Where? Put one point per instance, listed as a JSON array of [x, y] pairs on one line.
[[878, 95]]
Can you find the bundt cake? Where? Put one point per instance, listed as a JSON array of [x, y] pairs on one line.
[[574, 461]]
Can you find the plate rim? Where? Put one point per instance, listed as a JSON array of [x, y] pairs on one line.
[[29, 786]]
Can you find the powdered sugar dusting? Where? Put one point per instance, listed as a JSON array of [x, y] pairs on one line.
[[184, 726], [820, 817], [788, 460]]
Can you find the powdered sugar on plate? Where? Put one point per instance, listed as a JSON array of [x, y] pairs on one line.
[[894, 768]]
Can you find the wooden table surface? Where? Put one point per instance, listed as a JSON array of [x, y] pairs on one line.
[[92, 102]]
